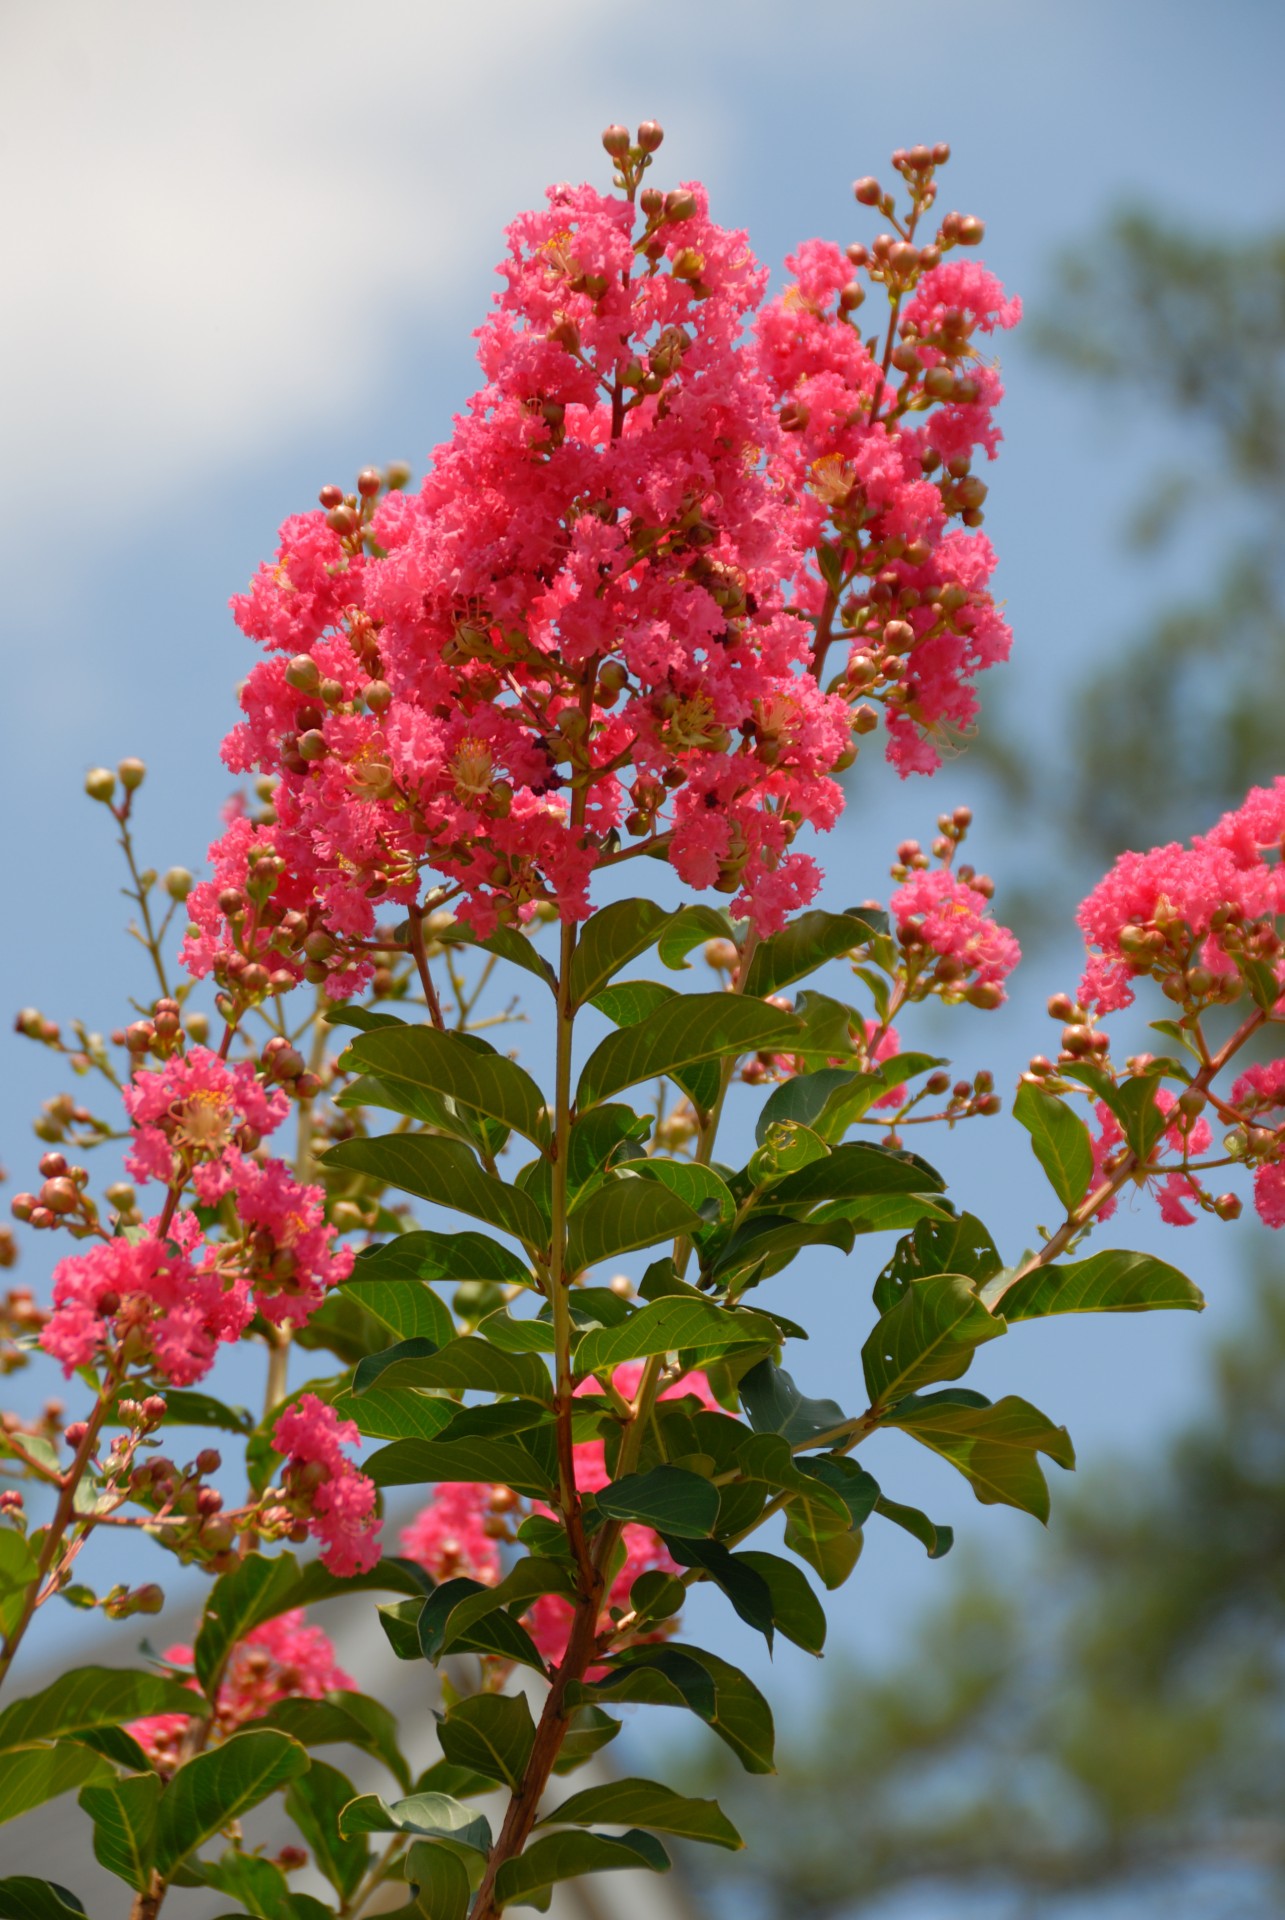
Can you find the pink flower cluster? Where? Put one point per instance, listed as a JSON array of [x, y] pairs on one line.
[[1259, 1096], [191, 1113], [150, 1298], [281, 1660], [940, 914], [450, 1536], [1211, 905], [334, 1498], [582, 636], [885, 491]]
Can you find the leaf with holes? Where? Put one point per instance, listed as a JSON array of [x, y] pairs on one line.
[[931, 1334], [994, 1447]]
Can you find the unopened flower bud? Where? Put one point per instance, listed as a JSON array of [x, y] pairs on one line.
[[616, 141], [650, 135], [52, 1165], [680, 205], [867, 192], [100, 784], [178, 883], [1228, 1206], [132, 774], [970, 231], [148, 1599], [985, 995], [75, 1433], [342, 520], [369, 481], [1061, 1007]]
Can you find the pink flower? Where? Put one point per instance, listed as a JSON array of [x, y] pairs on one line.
[[336, 1500], [1172, 1189], [449, 1535], [151, 1292], [192, 1110], [948, 918], [286, 1251], [282, 1659]]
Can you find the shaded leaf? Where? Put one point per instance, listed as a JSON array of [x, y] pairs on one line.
[[460, 1066], [23, 1898], [623, 1213], [936, 1541], [89, 1698], [795, 1608], [261, 1587], [218, 1786], [668, 1499], [436, 1816], [445, 1172], [315, 1805], [678, 1322], [646, 1803], [492, 1733], [123, 1813], [440, 1878], [590, 1730], [719, 1694], [343, 1718], [994, 1447], [421, 1255], [414, 1463], [566, 1856], [773, 1404], [466, 1363]]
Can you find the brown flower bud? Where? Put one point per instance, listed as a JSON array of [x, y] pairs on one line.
[[650, 135], [867, 192], [616, 140]]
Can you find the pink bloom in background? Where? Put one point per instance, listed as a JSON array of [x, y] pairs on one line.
[[150, 1289], [951, 919], [1166, 908], [192, 1110], [338, 1499], [283, 1659], [449, 1535], [1173, 1191]]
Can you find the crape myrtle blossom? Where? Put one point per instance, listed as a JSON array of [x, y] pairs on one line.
[[943, 918], [592, 629], [283, 1659], [1174, 1190], [192, 1112], [331, 1496]]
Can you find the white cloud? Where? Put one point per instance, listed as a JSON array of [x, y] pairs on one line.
[[215, 216]]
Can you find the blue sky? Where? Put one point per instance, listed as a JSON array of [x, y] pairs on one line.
[[245, 256]]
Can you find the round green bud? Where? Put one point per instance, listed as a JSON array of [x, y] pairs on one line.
[[100, 784]]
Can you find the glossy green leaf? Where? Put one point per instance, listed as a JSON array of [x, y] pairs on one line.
[[691, 927], [719, 1694], [1108, 1282], [416, 1463], [931, 1334], [748, 1592], [689, 1028], [395, 1413], [343, 1718], [609, 1135], [31, 1775], [23, 1898], [569, 1855], [610, 939], [525, 1582], [410, 1310], [631, 1001], [492, 1733], [994, 1447], [805, 943], [488, 1628], [435, 1816], [773, 1404], [315, 1804], [506, 943], [674, 1323], [258, 1884], [445, 1172], [440, 1879], [460, 1066], [796, 1610], [590, 1730], [961, 1245], [646, 1803], [434, 1256], [937, 1541], [365, 1019], [517, 1336], [830, 1552], [767, 1241], [123, 1813], [1060, 1140], [18, 1566], [668, 1499], [624, 1213], [854, 1170], [769, 1457], [218, 1786], [186, 1408], [86, 1699], [465, 1364]]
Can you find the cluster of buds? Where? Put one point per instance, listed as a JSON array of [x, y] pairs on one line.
[[61, 1202], [21, 1316], [632, 158], [349, 515], [180, 1499], [122, 1602], [163, 1033], [100, 785], [63, 1120]]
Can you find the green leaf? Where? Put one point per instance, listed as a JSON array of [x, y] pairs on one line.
[[394, 1414], [218, 1786], [610, 939], [993, 1447], [409, 1311], [768, 1241], [31, 1775], [795, 1608], [527, 1581], [567, 1856], [517, 1336], [630, 1001], [183, 1408], [440, 1878], [646, 1803], [719, 1694], [1110, 1282], [22, 1898], [365, 1019], [492, 1733], [315, 1805], [748, 1592], [445, 1172], [936, 1541], [930, 1334], [436, 1256], [624, 1213], [691, 1027], [606, 1136], [459, 1066], [855, 1169], [464, 1364], [89, 1698], [343, 1718], [414, 1463], [258, 1884], [960, 1245], [18, 1567], [260, 1588], [773, 1404], [507, 944], [435, 1816], [691, 927], [1060, 1139], [590, 1730], [123, 1813], [675, 1323], [804, 944], [668, 1499], [827, 1101], [487, 1629]]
